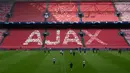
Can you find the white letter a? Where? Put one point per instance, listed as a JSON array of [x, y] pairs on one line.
[[37, 40], [68, 39]]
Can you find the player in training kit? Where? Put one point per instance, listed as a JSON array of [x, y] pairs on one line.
[[119, 51], [84, 64], [93, 50], [80, 50], [84, 51], [44, 50], [54, 60], [71, 65], [62, 52], [49, 50], [70, 51], [73, 53], [97, 50]]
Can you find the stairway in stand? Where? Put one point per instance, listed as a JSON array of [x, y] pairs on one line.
[[1, 33], [127, 36]]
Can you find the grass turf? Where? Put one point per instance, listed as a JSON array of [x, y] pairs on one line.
[[39, 62]]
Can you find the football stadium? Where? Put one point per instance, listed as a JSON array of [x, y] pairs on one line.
[[64, 36]]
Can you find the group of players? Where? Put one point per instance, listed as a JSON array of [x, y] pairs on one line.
[[72, 52]]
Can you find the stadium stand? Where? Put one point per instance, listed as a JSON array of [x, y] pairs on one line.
[[102, 38], [98, 11], [4, 9], [94, 13], [32, 13], [20, 37], [63, 10], [127, 35], [60, 13], [2, 31], [124, 8], [65, 38]]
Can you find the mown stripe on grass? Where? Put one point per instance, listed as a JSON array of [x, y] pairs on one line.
[[116, 60], [6, 54], [101, 64], [27, 62], [47, 65], [128, 52], [2, 52], [124, 55], [10, 61]]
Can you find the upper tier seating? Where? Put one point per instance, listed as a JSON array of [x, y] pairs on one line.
[[124, 8], [4, 9]]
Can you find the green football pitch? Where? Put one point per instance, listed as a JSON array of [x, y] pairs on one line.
[[39, 62]]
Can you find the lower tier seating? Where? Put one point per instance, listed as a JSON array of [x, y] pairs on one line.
[[64, 38]]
